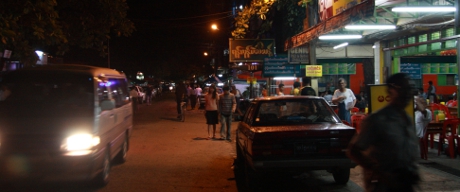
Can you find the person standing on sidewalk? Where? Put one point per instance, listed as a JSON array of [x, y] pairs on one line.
[[387, 147], [227, 106], [211, 114], [134, 95]]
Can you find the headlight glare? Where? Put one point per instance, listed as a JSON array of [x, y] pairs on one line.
[[80, 142]]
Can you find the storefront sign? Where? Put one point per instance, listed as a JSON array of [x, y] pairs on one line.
[[313, 71], [413, 70], [299, 55], [379, 98], [339, 68], [251, 50], [439, 68], [279, 67]]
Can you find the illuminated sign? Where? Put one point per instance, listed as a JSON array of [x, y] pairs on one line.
[[329, 8], [251, 50], [379, 98], [313, 71]]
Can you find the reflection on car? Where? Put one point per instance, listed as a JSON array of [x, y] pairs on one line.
[[293, 134]]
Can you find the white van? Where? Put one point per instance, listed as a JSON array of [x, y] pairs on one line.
[[63, 122]]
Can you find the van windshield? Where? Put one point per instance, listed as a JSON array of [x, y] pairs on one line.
[[33, 90]]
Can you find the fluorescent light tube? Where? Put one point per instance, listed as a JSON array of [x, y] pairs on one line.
[[362, 27], [424, 9], [341, 45], [284, 78], [332, 37]]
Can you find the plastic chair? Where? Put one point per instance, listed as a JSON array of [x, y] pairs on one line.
[[449, 126], [356, 121], [448, 103], [355, 110]]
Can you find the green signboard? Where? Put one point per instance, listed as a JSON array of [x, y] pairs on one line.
[[339, 68], [439, 68]]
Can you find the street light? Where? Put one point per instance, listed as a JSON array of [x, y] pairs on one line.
[[214, 27]]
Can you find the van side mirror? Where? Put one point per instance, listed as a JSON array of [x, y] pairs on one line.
[[107, 104]]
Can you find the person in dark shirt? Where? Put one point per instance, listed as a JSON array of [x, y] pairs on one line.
[[181, 94], [307, 89]]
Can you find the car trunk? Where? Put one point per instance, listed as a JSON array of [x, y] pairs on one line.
[[300, 142]]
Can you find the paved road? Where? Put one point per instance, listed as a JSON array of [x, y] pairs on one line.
[[168, 155]]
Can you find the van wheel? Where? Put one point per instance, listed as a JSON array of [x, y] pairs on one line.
[[341, 175], [102, 178], [121, 156]]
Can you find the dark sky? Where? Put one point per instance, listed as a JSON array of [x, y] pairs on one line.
[[166, 31]]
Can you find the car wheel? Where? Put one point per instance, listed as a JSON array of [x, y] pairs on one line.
[[102, 178], [121, 156], [341, 175]]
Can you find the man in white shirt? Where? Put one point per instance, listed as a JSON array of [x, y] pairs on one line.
[[422, 116]]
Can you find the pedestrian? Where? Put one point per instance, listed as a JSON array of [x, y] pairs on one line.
[[361, 102], [431, 93], [193, 97], [296, 90], [238, 96], [211, 113], [386, 147], [345, 99], [134, 95], [422, 116], [198, 92], [328, 96], [281, 89], [307, 89], [148, 94], [227, 106], [421, 93], [181, 95]]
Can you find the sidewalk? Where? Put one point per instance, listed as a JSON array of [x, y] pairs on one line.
[[439, 173]]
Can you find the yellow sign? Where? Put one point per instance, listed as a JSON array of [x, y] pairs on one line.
[[252, 80], [313, 70], [379, 98]]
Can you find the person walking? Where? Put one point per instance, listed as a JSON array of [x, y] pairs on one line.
[[181, 95], [431, 94], [345, 99], [296, 90], [198, 93], [386, 147], [238, 96], [134, 95], [148, 94], [227, 106], [193, 97], [211, 113], [280, 89], [307, 89]]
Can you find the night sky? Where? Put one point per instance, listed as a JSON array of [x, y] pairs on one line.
[[166, 31]]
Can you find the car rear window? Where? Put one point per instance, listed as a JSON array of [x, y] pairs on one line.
[[290, 112]]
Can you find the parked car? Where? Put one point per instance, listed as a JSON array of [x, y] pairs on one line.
[[58, 123], [292, 134]]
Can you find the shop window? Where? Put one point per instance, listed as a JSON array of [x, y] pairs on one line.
[[450, 79], [435, 35], [423, 38], [449, 32], [411, 40]]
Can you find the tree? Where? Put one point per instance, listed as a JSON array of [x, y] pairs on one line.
[[55, 25]]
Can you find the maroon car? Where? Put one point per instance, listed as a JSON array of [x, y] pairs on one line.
[[293, 134]]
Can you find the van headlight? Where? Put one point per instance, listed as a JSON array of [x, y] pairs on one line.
[[80, 144]]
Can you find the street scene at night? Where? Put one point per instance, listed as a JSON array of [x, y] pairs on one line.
[[229, 95]]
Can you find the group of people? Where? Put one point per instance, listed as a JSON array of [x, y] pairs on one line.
[[343, 97], [217, 106]]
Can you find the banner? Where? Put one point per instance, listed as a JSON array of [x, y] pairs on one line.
[[379, 98]]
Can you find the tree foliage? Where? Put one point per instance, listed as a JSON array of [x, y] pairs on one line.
[[28, 25], [292, 12]]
